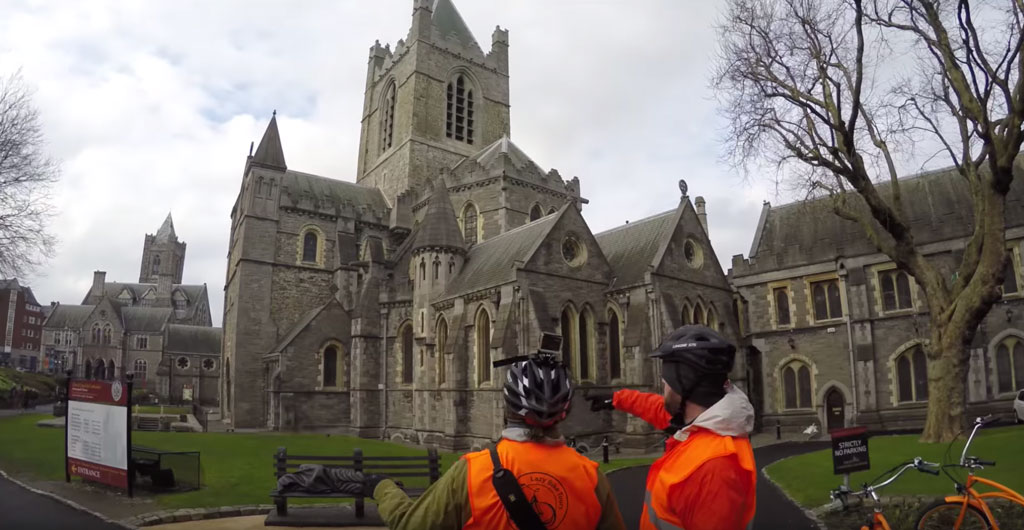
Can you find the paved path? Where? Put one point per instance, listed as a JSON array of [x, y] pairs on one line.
[[774, 510], [38, 409], [22, 509]]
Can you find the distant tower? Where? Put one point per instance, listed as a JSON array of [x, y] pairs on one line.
[[162, 254], [433, 100]]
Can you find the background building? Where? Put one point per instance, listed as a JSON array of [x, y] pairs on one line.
[[21, 324], [835, 332], [144, 328]]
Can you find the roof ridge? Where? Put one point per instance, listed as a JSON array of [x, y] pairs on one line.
[[636, 223], [520, 228]]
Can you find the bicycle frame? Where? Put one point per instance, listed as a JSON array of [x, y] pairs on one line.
[[978, 499], [970, 496]]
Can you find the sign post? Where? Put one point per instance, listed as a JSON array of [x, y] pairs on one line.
[[97, 438], [849, 451]]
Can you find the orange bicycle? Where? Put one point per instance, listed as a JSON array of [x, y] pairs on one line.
[[878, 521], [968, 510]]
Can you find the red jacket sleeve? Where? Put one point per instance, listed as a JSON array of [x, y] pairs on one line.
[[644, 405], [714, 497]]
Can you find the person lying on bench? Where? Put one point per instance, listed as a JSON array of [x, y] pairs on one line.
[[531, 477]]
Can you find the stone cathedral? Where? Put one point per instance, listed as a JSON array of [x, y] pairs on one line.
[[376, 307]]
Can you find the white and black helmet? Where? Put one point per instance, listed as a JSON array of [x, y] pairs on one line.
[[539, 390]]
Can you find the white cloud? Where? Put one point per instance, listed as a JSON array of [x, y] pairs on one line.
[[152, 106]]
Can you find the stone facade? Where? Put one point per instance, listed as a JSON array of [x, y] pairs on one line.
[[145, 329], [859, 364], [376, 308]]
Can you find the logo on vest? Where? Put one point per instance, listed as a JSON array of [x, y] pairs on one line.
[[547, 496]]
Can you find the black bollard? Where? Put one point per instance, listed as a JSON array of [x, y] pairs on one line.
[[604, 449], [778, 430]]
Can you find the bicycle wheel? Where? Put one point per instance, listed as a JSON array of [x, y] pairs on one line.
[[942, 515]]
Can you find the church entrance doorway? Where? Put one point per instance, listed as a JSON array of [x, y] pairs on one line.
[[835, 409]]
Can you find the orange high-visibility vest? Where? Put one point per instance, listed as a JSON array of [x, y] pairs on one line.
[[679, 463], [558, 482]]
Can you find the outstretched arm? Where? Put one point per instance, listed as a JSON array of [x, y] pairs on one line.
[[445, 504], [647, 406]]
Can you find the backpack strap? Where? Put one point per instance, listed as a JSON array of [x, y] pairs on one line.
[[512, 496]]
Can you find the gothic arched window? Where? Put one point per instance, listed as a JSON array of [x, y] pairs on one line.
[[1010, 365], [140, 369], [912, 376], [407, 353], [309, 244], [470, 231], [387, 125], [536, 213], [330, 366], [107, 334], [483, 346], [155, 268], [614, 344], [796, 386], [459, 118], [442, 343]]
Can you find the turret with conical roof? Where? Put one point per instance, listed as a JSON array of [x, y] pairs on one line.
[[162, 254], [269, 154], [439, 229]]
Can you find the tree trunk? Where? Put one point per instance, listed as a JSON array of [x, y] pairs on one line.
[[947, 376]]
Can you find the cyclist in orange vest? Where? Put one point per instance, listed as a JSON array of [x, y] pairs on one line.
[[706, 480], [558, 487]]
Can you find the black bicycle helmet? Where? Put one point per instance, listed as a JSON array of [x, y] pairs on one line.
[[539, 390], [696, 362]]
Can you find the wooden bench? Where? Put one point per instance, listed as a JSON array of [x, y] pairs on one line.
[[397, 467]]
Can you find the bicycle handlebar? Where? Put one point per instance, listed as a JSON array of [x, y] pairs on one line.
[[842, 492]]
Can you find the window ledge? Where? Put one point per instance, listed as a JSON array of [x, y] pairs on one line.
[[898, 312], [829, 322], [911, 403]]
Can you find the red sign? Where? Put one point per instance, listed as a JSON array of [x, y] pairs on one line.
[[98, 473], [108, 392]]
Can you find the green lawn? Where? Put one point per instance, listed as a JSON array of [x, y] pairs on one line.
[[808, 478], [236, 468]]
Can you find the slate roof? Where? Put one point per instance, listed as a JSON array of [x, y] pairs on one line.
[[632, 248], [439, 228], [145, 318], [68, 316], [448, 21], [937, 207], [269, 153], [12, 283], [113, 289], [487, 156], [298, 185], [301, 325], [492, 262], [193, 339]]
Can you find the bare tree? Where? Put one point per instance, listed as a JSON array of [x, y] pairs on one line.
[[26, 176], [836, 93]]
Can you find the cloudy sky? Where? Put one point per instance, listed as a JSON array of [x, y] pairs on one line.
[[151, 106]]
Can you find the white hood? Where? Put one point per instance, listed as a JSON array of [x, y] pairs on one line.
[[733, 415]]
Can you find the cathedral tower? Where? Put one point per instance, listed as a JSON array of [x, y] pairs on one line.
[[162, 253], [433, 100]]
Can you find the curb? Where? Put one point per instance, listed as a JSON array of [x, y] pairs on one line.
[[64, 501], [202, 514], [809, 513]]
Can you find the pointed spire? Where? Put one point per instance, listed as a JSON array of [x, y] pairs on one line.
[[269, 153], [439, 228], [448, 21], [166, 231]]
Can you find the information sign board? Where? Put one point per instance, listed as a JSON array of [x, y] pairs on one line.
[[97, 438], [850, 450]]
